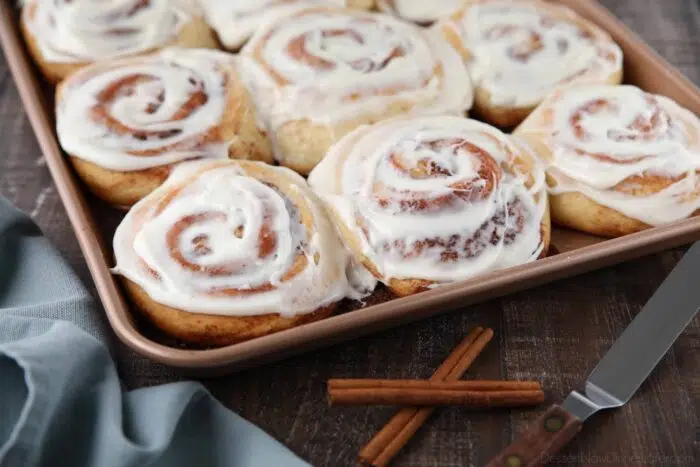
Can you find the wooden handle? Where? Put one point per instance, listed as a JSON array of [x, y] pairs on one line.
[[541, 440]]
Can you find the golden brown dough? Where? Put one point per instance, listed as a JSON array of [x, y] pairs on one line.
[[311, 94], [227, 251], [122, 155], [618, 160], [510, 116], [579, 212], [303, 143], [519, 51], [215, 330], [427, 201]]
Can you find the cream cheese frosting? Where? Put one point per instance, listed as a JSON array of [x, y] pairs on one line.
[[331, 66], [151, 129], [606, 140], [432, 197], [522, 50], [217, 239], [235, 21]]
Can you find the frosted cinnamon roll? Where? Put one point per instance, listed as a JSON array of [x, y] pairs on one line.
[[428, 201], [234, 22], [518, 51], [319, 73], [65, 35], [420, 11], [226, 251], [125, 123], [618, 159]]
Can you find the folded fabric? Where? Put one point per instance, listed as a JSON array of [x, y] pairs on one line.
[[61, 401]]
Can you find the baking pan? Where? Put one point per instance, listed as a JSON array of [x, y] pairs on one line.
[[574, 252]]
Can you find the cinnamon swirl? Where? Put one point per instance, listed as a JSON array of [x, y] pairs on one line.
[[65, 35], [518, 51], [319, 73], [226, 251], [618, 159], [126, 122], [235, 22], [432, 200]]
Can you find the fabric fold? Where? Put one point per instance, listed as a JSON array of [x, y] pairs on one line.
[[61, 401]]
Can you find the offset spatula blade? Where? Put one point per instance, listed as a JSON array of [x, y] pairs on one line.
[[646, 340], [621, 371]]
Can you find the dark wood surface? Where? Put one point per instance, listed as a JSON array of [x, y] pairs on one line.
[[555, 333]]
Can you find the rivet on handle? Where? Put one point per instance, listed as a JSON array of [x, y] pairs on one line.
[[514, 461], [554, 423]]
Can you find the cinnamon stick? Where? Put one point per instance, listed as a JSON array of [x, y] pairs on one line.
[[433, 397], [399, 430], [470, 385]]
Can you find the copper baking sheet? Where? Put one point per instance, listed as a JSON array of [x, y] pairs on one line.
[[574, 253]]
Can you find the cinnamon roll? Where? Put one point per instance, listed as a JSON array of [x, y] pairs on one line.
[[65, 35], [319, 73], [518, 51], [420, 11], [126, 122], [431, 200], [618, 159], [226, 251], [235, 22]]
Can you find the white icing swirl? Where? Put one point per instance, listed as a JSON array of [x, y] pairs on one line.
[[522, 50], [137, 113], [236, 21], [435, 198], [73, 31], [608, 141], [217, 238], [420, 11], [331, 66]]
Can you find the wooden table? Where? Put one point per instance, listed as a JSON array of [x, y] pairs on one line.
[[554, 333]]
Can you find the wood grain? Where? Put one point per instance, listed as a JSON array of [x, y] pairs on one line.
[[554, 334]]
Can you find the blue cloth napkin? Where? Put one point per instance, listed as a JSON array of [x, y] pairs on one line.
[[61, 401]]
